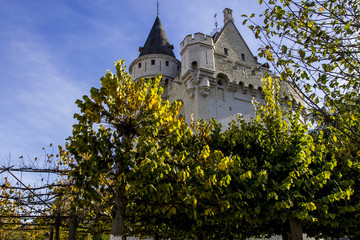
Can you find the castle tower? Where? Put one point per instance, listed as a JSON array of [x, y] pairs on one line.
[[219, 76], [156, 57]]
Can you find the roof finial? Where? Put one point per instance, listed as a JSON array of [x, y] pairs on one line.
[[157, 7], [216, 23]]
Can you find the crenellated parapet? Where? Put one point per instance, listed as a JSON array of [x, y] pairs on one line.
[[197, 38]]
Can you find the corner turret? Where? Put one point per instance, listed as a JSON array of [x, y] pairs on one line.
[[156, 57], [198, 67]]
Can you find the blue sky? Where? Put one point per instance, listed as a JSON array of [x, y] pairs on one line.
[[53, 51]]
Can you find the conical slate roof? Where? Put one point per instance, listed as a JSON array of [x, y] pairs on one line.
[[157, 41]]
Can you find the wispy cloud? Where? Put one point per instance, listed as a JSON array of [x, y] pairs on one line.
[[37, 97], [52, 52]]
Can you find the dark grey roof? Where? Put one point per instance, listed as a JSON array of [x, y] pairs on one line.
[[157, 41]]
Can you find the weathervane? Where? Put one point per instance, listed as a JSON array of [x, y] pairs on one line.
[[214, 31], [157, 7], [216, 23]]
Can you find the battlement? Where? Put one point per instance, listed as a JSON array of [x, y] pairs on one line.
[[196, 38]]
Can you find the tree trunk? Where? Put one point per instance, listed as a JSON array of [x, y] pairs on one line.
[[72, 224], [117, 225], [57, 229], [296, 229], [51, 237]]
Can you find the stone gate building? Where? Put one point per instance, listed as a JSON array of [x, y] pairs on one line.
[[218, 76]]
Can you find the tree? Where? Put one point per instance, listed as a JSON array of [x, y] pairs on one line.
[[315, 45], [124, 133], [343, 216], [286, 177]]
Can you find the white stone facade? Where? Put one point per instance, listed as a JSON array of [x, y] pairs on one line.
[[219, 77]]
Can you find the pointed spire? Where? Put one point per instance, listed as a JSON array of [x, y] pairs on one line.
[[157, 7], [157, 41]]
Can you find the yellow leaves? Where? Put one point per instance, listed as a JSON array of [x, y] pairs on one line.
[[209, 212], [184, 175], [246, 175], [272, 195], [199, 171], [225, 181], [205, 153], [269, 56], [310, 206], [152, 103], [85, 156], [224, 163]]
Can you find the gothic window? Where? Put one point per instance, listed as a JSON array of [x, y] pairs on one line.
[[222, 82], [153, 62], [243, 57]]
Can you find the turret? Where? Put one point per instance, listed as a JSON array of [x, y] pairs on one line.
[[197, 57], [156, 57]]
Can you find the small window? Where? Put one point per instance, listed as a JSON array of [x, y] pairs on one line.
[[220, 82], [153, 62], [167, 63], [243, 57], [194, 65], [226, 51], [178, 68], [139, 65]]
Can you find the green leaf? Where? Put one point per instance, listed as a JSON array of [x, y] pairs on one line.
[[347, 26]]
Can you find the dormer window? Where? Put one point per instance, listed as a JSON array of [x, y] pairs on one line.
[[153, 62], [226, 51], [243, 57]]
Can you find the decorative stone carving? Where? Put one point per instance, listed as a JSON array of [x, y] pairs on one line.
[[190, 88], [245, 73], [254, 92], [204, 86], [245, 89]]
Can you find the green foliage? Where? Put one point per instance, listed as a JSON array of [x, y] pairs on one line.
[[121, 146], [289, 174], [315, 45]]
